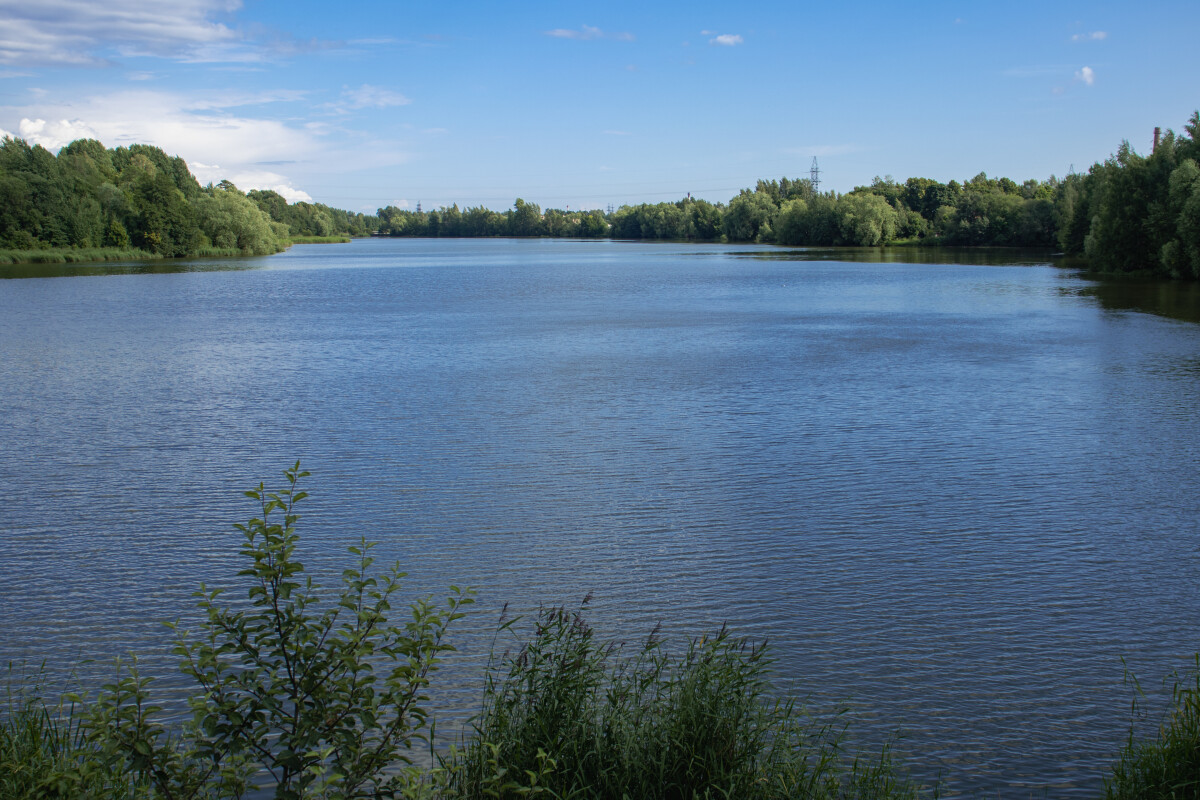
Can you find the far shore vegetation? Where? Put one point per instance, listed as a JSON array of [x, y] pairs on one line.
[[1131, 214], [299, 693]]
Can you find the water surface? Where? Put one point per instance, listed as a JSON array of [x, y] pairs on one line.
[[954, 495]]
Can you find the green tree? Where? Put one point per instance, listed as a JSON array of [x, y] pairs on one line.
[[525, 219], [231, 220], [812, 223], [865, 220], [749, 216], [163, 222]]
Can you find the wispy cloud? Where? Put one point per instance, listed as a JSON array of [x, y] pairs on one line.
[[367, 96], [1093, 36], [1087, 75], [727, 40], [85, 32], [223, 101], [617, 133], [588, 33]]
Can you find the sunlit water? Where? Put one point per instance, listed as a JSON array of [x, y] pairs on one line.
[[953, 496]]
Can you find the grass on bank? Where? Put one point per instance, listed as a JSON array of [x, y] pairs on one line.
[[1168, 766], [85, 255], [318, 240], [569, 715], [45, 755], [75, 255]]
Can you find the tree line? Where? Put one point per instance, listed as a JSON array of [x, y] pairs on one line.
[[1131, 213], [139, 197], [523, 219]]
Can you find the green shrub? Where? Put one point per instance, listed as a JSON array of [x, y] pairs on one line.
[[311, 700], [1168, 767]]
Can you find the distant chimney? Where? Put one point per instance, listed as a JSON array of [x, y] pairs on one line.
[[1157, 132]]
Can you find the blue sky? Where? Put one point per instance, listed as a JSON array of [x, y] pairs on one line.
[[365, 104]]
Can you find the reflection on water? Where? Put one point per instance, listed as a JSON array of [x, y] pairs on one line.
[[166, 266], [1175, 299], [978, 256]]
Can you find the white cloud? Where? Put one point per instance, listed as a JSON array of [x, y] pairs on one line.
[[1087, 75], [81, 32], [617, 133], [226, 100], [1094, 36], [367, 96], [727, 40], [588, 33], [53, 135], [198, 129], [246, 180], [585, 32]]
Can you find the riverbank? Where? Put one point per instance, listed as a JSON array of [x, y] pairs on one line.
[[93, 255], [76, 255]]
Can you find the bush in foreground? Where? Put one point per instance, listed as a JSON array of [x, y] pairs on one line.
[[313, 700]]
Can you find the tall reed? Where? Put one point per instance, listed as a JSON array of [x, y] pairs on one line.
[[1168, 766], [45, 756], [75, 255], [571, 716]]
